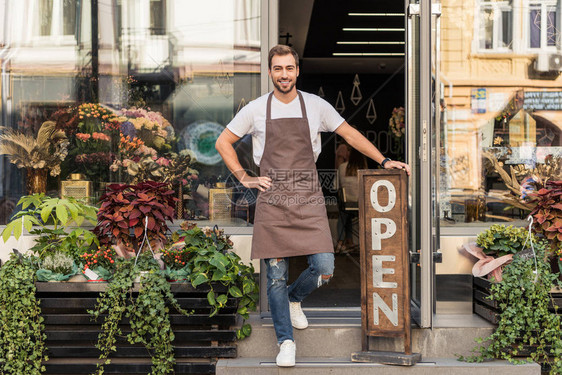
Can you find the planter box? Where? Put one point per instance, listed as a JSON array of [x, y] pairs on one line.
[[72, 334], [490, 311]]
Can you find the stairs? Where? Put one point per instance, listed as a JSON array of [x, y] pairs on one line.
[[326, 346]]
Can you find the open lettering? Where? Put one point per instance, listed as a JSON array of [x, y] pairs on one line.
[[383, 229]]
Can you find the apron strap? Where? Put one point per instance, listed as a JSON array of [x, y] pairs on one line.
[[303, 107], [268, 111]]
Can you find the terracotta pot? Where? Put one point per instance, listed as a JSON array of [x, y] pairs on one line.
[[36, 180]]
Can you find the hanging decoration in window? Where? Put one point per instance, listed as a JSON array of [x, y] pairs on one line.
[[356, 95], [224, 81], [321, 92], [241, 105], [371, 112], [340, 106]]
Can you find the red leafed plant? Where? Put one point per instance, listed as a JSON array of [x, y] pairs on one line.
[[547, 214], [124, 209]]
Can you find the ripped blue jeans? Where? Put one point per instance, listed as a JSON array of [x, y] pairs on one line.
[[319, 271]]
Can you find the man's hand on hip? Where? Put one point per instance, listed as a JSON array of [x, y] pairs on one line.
[[261, 183]]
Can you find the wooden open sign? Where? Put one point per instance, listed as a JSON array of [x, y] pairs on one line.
[[385, 287]]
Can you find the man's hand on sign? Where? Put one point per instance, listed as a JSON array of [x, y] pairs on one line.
[[261, 183], [397, 165]]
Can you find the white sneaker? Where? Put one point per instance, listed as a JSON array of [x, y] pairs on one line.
[[298, 319], [286, 356]]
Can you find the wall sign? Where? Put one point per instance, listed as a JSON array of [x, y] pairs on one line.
[[385, 288], [543, 100]]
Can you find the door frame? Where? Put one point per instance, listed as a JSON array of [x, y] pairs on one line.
[[428, 225], [420, 139]]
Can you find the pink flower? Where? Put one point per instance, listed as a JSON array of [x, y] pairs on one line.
[[183, 181], [83, 136], [100, 137], [163, 161]]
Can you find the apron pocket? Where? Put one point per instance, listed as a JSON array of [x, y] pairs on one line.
[[268, 212]]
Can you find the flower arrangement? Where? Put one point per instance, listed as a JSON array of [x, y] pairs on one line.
[[144, 148], [500, 240], [101, 261], [177, 256], [396, 123], [91, 131], [46, 151], [104, 257], [58, 266], [58, 262]]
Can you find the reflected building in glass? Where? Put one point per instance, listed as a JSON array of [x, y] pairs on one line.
[[191, 64]]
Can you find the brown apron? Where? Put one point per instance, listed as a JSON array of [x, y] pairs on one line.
[[290, 217]]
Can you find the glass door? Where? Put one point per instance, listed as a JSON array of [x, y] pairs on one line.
[[421, 140]]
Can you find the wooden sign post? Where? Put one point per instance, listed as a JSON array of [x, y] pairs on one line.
[[385, 287]]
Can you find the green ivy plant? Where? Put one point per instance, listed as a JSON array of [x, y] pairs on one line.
[[48, 218], [524, 299], [500, 240], [148, 313], [214, 263], [22, 337]]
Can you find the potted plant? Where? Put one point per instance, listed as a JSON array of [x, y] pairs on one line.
[[57, 266], [128, 213], [50, 220], [500, 240], [212, 263], [176, 259], [547, 216], [38, 155], [527, 329], [100, 262]]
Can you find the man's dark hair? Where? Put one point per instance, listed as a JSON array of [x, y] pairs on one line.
[[282, 50]]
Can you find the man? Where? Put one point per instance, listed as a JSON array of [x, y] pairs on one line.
[[290, 217]]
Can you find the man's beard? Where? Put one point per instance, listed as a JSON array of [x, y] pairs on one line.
[[284, 91]]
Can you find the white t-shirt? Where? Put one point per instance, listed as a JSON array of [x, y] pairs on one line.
[[322, 117]]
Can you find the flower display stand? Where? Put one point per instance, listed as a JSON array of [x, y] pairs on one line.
[[199, 342]]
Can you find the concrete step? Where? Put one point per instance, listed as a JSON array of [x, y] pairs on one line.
[[338, 337], [343, 366]]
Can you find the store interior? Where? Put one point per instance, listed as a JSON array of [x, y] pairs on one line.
[[356, 63]]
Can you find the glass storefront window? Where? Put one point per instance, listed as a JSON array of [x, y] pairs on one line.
[[501, 123], [160, 82]]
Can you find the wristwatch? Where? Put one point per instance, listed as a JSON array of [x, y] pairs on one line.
[[384, 161]]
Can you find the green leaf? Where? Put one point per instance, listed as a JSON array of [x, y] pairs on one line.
[[247, 329], [18, 228], [235, 292], [211, 298], [200, 279], [222, 299], [7, 232], [45, 212], [62, 214]]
